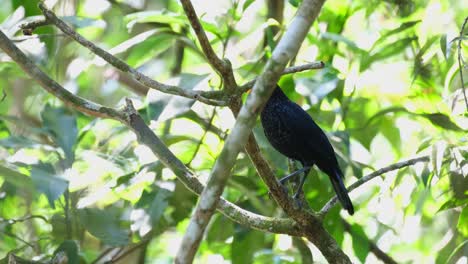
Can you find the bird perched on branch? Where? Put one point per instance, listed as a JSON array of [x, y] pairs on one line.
[[292, 132]]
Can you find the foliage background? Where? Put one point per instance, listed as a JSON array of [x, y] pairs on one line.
[[390, 91]]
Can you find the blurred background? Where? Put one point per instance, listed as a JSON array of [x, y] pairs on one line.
[[390, 91]]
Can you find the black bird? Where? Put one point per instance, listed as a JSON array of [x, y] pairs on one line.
[[292, 132]]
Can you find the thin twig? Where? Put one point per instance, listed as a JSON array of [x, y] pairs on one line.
[[102, 255], [200, 142], [28, 28], [121, 65], [122, 254], [293, 69], [7, 233], [460, 65], [379, 253], [26, 218], [4, 95], [333, 201], [248, 85]]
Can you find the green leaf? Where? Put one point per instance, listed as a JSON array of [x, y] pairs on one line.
[[460, 250], [139, 38], [221, 229], [150, 48], [295, 3], [182, 202], [391, 132], [18, 142], [424, 144], [164, 107], [104, 224], [403, 27], [246, 4], [4, 131], [392, 49], [462, 225], [245, 243], [63, 128], [70, 248], [452, 203], [459, 185], [360, 242], [48, 182], [16, 178], [340, 38], [442, 120], [162, 17], [444, 46], [426, 176], [154, 203]]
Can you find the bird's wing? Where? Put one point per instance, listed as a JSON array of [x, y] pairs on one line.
[[309, 132]]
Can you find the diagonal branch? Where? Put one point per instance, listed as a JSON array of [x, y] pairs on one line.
[[81, 104], [223, 67], [121, 65], [293, 69], [311, 225], [148, 138], [333, 201], [379, 253]]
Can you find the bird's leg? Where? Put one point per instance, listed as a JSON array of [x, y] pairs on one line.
[[301, 184], [289, 176]]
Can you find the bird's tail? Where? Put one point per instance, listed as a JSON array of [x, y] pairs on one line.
[[341, 192]]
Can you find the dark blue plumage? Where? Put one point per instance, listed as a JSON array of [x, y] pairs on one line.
[[292, 132]]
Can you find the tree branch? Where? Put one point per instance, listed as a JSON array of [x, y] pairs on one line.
[[289, 70], [285, 50], [147, 137], [121, 65], [333, 201], [79, 103], [247, 86], [223, 67]]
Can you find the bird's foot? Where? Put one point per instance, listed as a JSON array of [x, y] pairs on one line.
[[298, 199], [294, 174]]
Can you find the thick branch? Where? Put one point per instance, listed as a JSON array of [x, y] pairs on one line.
[[310, 224], [285, 51], [289, 70], [333, 201], [147, 137], [121, 65], [223, 67]]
